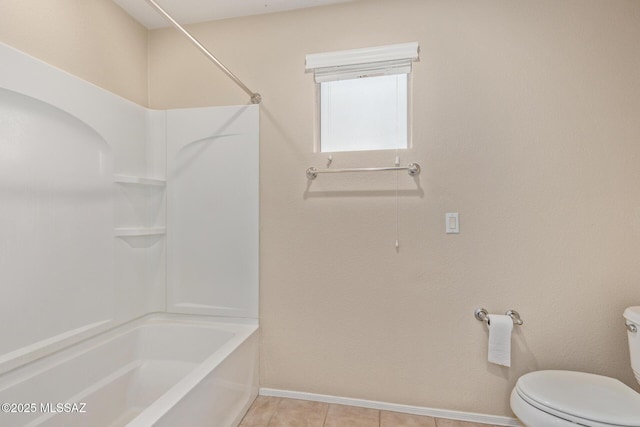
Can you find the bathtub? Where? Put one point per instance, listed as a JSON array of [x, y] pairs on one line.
[[159, 370]]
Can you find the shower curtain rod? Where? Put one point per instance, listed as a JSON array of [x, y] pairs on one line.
[[255, 97]]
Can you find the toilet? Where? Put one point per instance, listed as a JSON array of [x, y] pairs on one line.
[[571, 399]]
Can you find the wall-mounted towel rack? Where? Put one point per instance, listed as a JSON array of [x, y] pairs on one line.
[[413, 169]]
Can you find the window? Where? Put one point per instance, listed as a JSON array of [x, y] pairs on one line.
[[364, 97], [364, 114]]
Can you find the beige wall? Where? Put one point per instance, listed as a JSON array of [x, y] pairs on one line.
[[93, 39], [525, 121]]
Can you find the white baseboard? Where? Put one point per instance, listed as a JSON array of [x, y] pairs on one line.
[[415, 410]]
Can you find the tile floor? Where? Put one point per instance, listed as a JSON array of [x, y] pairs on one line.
[[278, 412]]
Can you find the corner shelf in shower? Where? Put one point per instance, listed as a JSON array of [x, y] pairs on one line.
[[140, 231], [140, 237], [138, 180], [138, 190]]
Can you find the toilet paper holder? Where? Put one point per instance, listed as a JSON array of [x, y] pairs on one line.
[[482, 315]]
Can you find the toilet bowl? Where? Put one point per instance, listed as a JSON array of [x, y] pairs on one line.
[[570, 399], [566, 398]]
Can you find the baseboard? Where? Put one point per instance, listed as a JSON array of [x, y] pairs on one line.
[[415, 410]]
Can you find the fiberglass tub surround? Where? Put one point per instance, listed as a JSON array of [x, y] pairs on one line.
[[100, 198]]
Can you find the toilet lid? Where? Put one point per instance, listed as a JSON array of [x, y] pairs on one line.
[[581, 397]]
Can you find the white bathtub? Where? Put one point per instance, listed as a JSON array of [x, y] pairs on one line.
[[160, 370]]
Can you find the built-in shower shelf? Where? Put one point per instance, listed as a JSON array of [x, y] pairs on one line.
[[138, 180], [140, 231]]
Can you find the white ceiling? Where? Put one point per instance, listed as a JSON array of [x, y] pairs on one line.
[[192, 11]]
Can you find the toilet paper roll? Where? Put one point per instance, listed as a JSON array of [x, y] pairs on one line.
[[500, 327]]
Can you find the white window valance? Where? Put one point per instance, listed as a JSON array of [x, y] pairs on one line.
[[367, 62]]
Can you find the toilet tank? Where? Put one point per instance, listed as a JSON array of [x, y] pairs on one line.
[[632, 316]]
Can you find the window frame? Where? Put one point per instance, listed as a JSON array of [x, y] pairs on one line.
[[362, 63]]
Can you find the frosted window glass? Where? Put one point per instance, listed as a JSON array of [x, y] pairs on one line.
[[364, 114]]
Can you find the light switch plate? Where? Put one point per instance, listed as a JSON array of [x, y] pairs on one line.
[[452, 223]]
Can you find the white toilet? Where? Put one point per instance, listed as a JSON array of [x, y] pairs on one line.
[[570, 399]]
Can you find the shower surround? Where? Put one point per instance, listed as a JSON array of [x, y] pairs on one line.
[[112, 211]]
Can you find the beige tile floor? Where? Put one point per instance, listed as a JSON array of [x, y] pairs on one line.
[[279, 412]]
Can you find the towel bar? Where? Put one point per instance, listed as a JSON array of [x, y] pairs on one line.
[[413, 169]]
